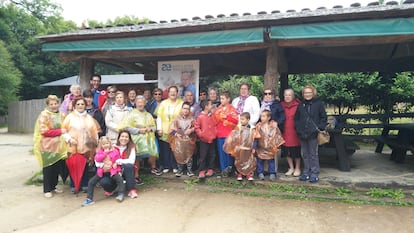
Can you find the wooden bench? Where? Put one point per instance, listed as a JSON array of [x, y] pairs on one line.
[[400, 143], [344, 148]]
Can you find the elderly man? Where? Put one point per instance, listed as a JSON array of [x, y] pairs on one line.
[[187, 82]]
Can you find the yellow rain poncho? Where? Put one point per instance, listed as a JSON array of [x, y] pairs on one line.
[[49, 150], [136, 120]]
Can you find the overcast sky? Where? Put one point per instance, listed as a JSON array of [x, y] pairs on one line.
[[101, 10]]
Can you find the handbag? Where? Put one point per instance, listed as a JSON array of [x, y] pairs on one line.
[[323, 137]]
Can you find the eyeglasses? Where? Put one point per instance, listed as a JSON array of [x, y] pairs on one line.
[[157, 93], [267, 93], [203, 94], [111, 92]]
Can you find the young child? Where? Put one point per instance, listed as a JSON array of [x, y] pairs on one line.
[[268, 139], [105, 160], [183, 140], [205, 128], [240, 144]]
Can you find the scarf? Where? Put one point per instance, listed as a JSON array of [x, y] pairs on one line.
[[240, 104], [266, 105]]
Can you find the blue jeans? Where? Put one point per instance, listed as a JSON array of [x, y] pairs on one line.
[[310, 157], [271, 165], [167, 156], [225, 159]]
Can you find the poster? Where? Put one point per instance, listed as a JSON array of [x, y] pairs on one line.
[[183, 74]]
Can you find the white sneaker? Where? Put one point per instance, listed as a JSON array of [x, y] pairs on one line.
[[165, 170], [58, 190], [48, 195], [175, 170]]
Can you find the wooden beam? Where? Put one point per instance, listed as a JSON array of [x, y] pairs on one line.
[[271, 77], [74, 56], [344, 41], [86, 71]]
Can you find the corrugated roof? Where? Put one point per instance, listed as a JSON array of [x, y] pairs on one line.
[[106, 80], [247, 20]]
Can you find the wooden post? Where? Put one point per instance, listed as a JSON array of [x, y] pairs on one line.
[[275, 66], [271, 77], [284, 84], [85, 72]]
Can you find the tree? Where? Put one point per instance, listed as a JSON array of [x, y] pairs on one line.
[[10, 78], [233, 85]]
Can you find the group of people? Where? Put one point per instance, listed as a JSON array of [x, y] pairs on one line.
[[114, 132]]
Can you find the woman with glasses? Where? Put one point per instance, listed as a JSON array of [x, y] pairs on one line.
[[114, 116], [309, 117], [247, 103], [154, 102], [273, 105], [82, 136], [110, 100]]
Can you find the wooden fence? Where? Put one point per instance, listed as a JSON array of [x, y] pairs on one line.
[[23, 114]]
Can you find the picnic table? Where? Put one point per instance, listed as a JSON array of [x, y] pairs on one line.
[[344, 148], [400, 143]]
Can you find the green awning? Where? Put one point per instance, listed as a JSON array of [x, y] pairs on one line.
[[188, 40], [384, 27]]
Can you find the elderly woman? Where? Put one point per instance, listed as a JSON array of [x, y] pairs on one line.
[[115, 114], [247, 103], [166, 112], [310, 116], [141, 125], [82, 136], [75, 91], [151, 105], [291, 148], [132, 94], [214, 97], [49, 144]]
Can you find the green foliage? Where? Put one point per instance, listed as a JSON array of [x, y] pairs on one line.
[[341, 191], [124, 20], [10, 78], [381, 193], [233, 85]]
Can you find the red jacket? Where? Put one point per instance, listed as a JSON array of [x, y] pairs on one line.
[[289, 132], [205, 127], [227, 124]]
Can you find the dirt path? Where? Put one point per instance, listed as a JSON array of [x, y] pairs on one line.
[[165, 208]]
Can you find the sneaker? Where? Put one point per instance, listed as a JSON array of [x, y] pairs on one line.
[[108, 194], [296, 173], [58, 190], [224, 173], [138, 181], [132, 194], [314, 179], [304, 177], [165, 170], [72, 190], [190, 173], [290, 172], [210, 173], [88, 202], [179, 173], [48, 195], [249, 177], [261, 176], [272, 177], [156, 172], [175, 170], [120, 197], [202, 174], [239, 177]]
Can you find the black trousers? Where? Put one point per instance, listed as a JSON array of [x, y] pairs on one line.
[[50, 176], [207, 155]]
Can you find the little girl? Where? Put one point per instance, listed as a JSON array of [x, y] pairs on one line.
[[105, 160], [269, 138]]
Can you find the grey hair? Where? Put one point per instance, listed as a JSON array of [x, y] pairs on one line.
[[139, 97], [73, 86], [289, 89]]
